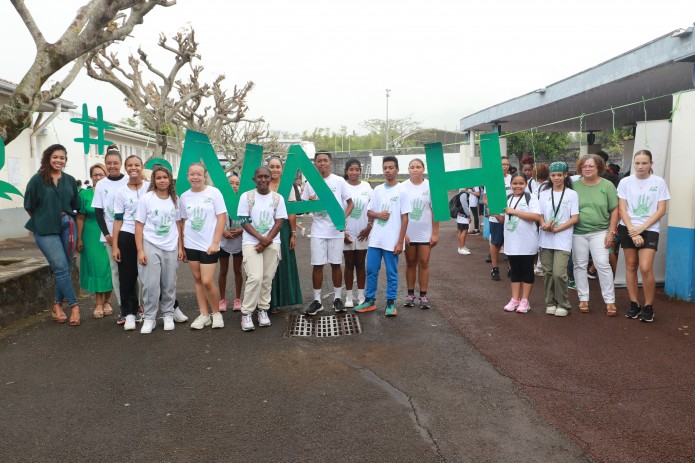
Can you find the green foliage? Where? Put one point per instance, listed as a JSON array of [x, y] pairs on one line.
[[537, 144], [326, 139], [613, 142]]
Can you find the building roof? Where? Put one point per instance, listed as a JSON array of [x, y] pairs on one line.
[[7, 87], [651, 72]]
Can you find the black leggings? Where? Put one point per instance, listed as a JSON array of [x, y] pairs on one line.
[[522, 268], [476, 217], [128, 273]]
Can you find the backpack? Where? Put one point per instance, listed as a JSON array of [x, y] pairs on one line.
[[251, 200], [457, 207], [527, 197]]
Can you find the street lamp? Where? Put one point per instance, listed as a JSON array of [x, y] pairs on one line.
[[388, 91]]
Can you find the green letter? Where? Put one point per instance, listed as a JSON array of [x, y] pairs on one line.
[[6, 188]]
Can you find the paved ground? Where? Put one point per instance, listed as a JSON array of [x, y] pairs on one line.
[[413, 388]]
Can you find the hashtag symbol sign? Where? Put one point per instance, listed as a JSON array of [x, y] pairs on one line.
[[97, 123]]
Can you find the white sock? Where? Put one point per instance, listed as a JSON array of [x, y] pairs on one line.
[[317, 295], [360, 294], [338, 292], [348, 294]]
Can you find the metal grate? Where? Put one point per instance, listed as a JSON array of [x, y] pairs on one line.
[[323, 327]]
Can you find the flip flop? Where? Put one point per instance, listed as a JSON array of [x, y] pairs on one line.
[[99, 311]]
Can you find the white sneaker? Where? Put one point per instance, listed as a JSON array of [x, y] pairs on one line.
[[263, 319], [247, 323], [551, 310], [349, 304], [360, 301], [148, 326], [200, 322], [179, 317], [129, 323], [538, 271], [217, 320], [464, 251], [561, 312], [168, 323]]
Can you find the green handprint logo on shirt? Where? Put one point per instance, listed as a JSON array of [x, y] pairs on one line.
[[198, 219], [111, 212], [382, 222], [512, 223], [265, 222], [643, 206], [418, 209], [357, 209], [164, 227]]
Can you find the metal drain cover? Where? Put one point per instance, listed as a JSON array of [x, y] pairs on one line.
[[323, 327]]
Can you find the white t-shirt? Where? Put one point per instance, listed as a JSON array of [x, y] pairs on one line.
[[126, 203], [159, 217], [232, 246], [385, 233], [473, 199], [262, 214], [322, 225], [566, 208], [200, 210], [420, 217], [357, 220], [461, 218], [533, 187], [104, 195], [521, 236], [642, 196], [508, 191]]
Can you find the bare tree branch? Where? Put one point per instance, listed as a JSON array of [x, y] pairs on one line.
[[28, 19]]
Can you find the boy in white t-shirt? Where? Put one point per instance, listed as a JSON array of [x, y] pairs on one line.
[[326, 240], [388, 211]]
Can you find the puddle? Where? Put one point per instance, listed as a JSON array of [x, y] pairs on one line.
[[329, 326]]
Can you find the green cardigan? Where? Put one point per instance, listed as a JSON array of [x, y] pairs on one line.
[[46, 202]]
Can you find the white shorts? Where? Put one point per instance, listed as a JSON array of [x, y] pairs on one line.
[[356, 245], [326, 250]]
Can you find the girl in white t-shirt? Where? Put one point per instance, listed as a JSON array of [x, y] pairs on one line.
[[125, 252], [521, 242], [160, 247], [203, 214], [357, 229], [642, 199], [422, 234], [559, 205]]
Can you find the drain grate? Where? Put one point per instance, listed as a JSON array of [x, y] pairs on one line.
[[323, 327]]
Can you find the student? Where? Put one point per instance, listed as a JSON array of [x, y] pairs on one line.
[[262, 213], [204, 214], [528, 168], [421, 235], [642, 200], [496, 228], [160, 247], [463, 222], [231, 246], [326, 240], [389, 207], [521, 242], [559, 212], [357, 229], [125, 251]]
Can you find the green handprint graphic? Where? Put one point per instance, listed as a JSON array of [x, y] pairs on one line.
[[198, 219], [164, 227], [320, 214], [382, 222], [111, 212], [418, 209], [512, 223], [265, 222], [643, 206], [357, 209]]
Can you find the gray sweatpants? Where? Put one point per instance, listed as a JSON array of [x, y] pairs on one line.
[[158, 279]]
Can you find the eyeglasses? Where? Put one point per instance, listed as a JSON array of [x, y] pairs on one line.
[[98, 175], [588, 167]]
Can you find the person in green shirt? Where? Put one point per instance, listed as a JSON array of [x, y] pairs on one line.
[[51, 200], [598, 217]]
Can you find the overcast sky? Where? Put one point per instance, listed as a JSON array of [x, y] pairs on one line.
[[327, 64]]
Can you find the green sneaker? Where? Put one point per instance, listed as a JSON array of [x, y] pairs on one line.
[[391, 310], [368, 305]]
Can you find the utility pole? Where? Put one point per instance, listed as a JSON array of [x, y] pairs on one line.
[[388, 91]]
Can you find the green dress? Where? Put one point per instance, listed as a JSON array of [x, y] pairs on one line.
[[286, 289], [95, 271]]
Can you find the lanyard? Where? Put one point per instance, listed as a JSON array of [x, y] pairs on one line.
[[552, 199], [517, 201]]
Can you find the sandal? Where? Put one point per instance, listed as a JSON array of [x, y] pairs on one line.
[[99, 311], [75, 321], [108, 310], [611, 310], [584, 306], [57, 313]]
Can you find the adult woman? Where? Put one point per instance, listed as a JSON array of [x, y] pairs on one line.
[[286, 289], [231, 246], [421, 236], [357, 228], [125, 251], [203, 213], [642, 201], [95, 270], [50, 199], [598, 217]]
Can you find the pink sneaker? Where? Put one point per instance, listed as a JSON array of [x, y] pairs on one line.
[[237, 305], [223, 305], [524, 306], [511, 305]]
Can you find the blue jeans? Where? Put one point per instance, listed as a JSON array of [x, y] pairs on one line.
[[56, 249], [374, 256]]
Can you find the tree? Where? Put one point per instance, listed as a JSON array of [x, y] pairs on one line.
[[396, 127], [234, 137], [159, 106], [97, 24], [537, 144]]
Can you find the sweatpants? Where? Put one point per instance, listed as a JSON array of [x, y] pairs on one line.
[[374, 256], [554, 263], [260, 270], [128, 273], [158, 278]]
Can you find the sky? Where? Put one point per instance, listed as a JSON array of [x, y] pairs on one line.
[[328, 64]]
